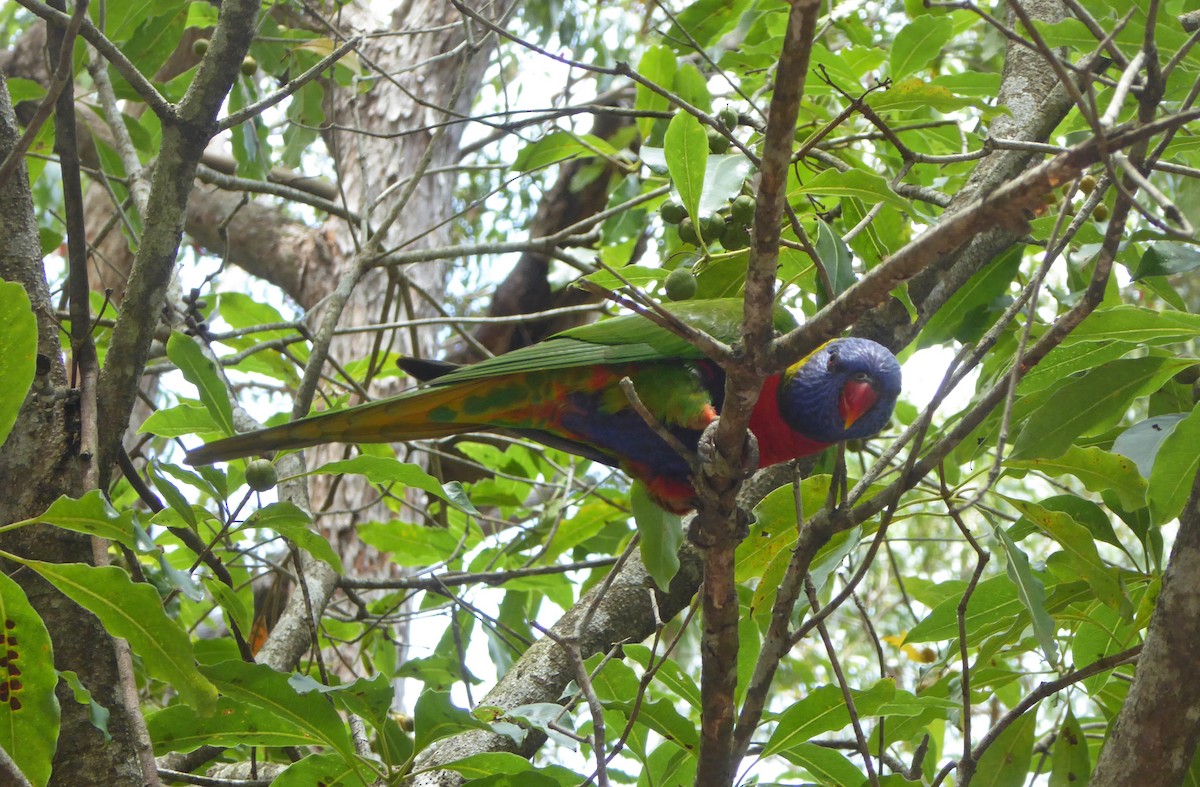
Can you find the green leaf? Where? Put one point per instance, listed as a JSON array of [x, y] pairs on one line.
[[1141, 441], [264, 688], [705, 21], [669, 673], [1067, 33], [1032, 593], [667, 764], [24, 90], [559, 146], [1100, 634], [1098, 470], [1076, 540], [724, 175], [866, 186], [91, 514], [183, 419], [658, 65], [1167, 259], [1006, 762], [824, 764], [1072, 765], [1085, 512], [546, 717], [178, 579], [662, 535], [291, 522], [686, 149], [994, 603], [919, 43], [1093, 401], [824, 710], [29, 712], [1175, 469], [436, 717], [235, 723], [201, 15], [662, 717], [1069, 359], [837, 259], [960, 315], [389, 470], [692, 86], [1136, 325], [327, 770], [134, 612], [199, 370], [18, 353], [913, 94], [409, 544], [368, 698], [970, 83], [97, 713], [231, 604], [477, 766], [774, 530], [638, 275], [175, 498]]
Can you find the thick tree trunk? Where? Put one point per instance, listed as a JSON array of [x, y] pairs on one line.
[[1154, 738], [38, 463]]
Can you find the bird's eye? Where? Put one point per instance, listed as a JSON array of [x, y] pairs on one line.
[[834, 362]]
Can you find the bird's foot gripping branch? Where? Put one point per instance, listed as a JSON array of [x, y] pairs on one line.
[[713, 464]]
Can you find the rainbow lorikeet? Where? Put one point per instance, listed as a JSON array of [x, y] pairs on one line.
[[565, 393]]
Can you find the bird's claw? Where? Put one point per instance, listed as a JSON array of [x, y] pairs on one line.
[[714, 463]]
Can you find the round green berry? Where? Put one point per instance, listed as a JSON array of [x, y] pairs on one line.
[[680, 284], [728, 117], [735, 236], [687, 231], [672, 211], [713, 225], [261, 475], [742, 209], [717, 142]]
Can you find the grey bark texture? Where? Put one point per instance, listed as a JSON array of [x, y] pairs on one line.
[[1153, 740], [38, 463]]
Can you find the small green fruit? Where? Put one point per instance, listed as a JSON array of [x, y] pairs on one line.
[[680, 284], [200, 46], [735, 236], [728, 117], [261, 475], [713, 225], [687, 231], [1100, 213], [717, 142], [742, 209], [672, 211], [249, 66], [1087, 184]]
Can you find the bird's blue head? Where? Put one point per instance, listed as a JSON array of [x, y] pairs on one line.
[[844, 390]]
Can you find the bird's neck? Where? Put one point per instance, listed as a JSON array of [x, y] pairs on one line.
[[777, 442]]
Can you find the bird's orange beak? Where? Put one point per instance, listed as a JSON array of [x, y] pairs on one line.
[[857, 397]]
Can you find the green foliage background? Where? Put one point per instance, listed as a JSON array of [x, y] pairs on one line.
[[1073, 490]]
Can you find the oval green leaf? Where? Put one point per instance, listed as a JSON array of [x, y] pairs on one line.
[[29, 718], [18, 353]]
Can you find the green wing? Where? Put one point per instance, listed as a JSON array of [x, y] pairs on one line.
[[627, 339], [466, 399]]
